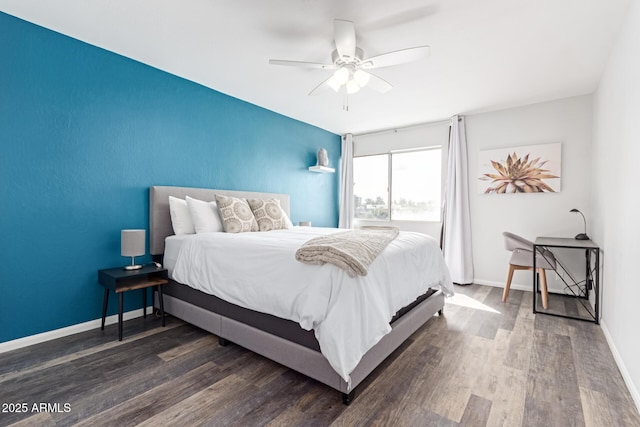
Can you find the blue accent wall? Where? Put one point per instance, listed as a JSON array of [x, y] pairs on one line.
[[83, 134]]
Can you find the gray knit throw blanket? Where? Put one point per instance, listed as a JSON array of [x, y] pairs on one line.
[[352, 250]]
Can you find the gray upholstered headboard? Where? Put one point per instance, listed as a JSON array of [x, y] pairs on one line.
[[160, 218]]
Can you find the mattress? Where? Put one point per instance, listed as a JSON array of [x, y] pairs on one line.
[[258, 271], [172, 247]]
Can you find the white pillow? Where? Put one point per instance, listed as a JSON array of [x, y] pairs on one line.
[[204, 215], [180, 216]]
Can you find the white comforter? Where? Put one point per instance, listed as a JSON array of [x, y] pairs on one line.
[[348, 314]]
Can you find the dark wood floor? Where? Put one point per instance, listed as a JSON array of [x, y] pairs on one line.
[[490, 364]]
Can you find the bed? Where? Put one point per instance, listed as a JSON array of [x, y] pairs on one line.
[[287, 338]]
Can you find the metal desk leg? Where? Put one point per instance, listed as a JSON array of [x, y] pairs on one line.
[[587, 262], [535, 278], [596, 286]]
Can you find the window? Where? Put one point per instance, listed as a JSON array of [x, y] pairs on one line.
[[410, 179], [371, 187]]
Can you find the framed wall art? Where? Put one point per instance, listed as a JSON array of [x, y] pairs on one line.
[[524, 169]]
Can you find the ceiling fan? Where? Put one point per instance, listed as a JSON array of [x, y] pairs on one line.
[[350, 64]]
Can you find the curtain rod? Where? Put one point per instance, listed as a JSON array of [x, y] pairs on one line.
[[418, 125]]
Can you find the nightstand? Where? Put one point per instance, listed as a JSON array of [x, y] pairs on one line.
[[120, 280]]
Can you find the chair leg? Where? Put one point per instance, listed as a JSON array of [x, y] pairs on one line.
[[505, 293], [543, 288]]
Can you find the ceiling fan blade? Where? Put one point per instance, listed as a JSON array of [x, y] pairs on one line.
[[302, 64], [322, 88], [397, 57], [344, 34], [378, 84]]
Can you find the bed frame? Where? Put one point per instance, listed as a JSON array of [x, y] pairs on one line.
[[290, 354]]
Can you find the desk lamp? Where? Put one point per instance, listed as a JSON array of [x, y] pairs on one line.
[[581, 236], [133, 245]]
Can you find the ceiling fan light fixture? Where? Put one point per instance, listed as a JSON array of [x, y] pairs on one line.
[[352, 86], [361, 77], [334, 84], [341, 75]]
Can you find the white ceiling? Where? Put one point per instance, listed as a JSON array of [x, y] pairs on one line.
[[485, 54]]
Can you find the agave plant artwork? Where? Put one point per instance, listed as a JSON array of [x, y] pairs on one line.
[[518, 175]]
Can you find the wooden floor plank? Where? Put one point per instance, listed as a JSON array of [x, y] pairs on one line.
[[157, 399], [39, 354], [554, 325], [264, 406], [526, 307], [488, 323], [261, 371], [40, 363], [36, 420], [509, 311], [394, 385], [553, 395], [491, 363], [288, 417], [503, 386], [593, 361], [595, 407], [104, 379], [181, 350], [476, 413], [202, 408]]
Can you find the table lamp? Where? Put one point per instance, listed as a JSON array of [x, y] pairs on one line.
[[133, 245], [581, 236]]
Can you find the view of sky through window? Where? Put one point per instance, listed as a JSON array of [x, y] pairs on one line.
[[415, 186]]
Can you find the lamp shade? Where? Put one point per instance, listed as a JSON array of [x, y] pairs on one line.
[[132, 242]]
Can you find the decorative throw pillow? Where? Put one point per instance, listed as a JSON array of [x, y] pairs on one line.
[[269, 214], [204, 215], [236, 214], [180, 216]]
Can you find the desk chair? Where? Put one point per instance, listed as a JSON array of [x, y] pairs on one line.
[[522, 259]]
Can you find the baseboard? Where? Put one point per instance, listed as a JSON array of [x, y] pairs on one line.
[[69, 330], [635, 394], [517, 286]]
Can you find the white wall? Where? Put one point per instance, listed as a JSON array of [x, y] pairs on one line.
[[567, 121], [616, 196]]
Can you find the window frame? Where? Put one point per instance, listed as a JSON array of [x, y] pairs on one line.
[[389, 155]]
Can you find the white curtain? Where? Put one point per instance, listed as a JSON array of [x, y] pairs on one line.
[[346, 183], [456, 238]]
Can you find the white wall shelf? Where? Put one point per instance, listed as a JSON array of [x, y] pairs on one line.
[[321, 169]]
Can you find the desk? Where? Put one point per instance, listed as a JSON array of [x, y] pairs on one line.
[[592, 277]]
